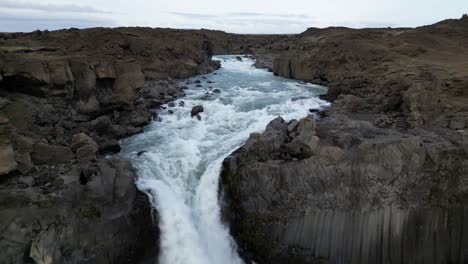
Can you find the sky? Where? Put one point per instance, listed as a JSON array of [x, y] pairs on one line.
[[236, 16]]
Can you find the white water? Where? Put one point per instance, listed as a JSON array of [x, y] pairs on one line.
[[181, 167]]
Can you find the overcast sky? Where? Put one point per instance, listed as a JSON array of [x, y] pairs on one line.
[[238, 16]]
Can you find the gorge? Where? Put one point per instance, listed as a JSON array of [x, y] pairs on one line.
[[377, 174], [183, 157]]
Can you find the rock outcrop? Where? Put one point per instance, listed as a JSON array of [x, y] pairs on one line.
[[76, 213], [346, 191]]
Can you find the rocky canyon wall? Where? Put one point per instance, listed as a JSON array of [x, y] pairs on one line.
[[379, 177], [66, 98]]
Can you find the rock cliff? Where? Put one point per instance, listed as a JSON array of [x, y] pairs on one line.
[[379, 177], [346, 191]]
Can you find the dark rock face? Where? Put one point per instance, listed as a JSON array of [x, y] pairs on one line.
[[60, 201], [84, 213], [264, 61], [345, 191]]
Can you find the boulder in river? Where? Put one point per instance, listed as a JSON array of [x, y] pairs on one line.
[[216, 91], [239, 58], [196, 110], [141, 153]]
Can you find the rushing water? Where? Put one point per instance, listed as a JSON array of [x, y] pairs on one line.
[[180, 168]]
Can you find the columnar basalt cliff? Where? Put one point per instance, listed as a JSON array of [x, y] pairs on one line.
[[346, 191], [379, 177], [66, 98]]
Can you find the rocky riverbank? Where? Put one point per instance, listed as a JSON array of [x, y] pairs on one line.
[[66, 98], [379, 177]]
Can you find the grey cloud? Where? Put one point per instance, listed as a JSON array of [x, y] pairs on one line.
[[28, 25], [252, 22], [19, 5], [193, 15], [242, 15], [15, 22], [247, 22], [28, 16], [254, 14]]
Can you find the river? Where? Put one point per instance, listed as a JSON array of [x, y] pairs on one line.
[[180, 168]]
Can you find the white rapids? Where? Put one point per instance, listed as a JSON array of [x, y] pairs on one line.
[[180, 169]]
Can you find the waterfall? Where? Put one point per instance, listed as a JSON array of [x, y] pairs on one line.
[[181, 166]]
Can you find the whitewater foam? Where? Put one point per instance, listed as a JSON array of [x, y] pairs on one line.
[[180, 168]]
